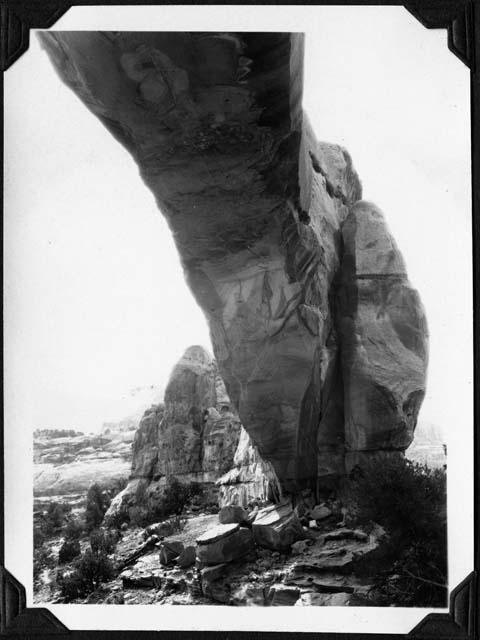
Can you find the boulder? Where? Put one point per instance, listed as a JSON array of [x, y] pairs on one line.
[[187, 557], [160, 529], [169, 551], [214, 572], [231, 514], [299, 547], [277, 527], [320, 512], [224, 543], [282, 596]]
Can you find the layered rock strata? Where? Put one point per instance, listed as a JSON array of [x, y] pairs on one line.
[[260, 212]]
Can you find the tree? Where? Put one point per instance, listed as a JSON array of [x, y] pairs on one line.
[[95, 508], [69, 550]]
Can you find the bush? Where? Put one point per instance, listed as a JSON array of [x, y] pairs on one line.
[[69, 550], [102, 541], [39, 536], [89, 572], [114, 488], [73, 529], [95, 508], [409, 501], [138, 516], [54, 517]]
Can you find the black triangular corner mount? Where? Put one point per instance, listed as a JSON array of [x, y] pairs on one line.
[[455, 16], [459, 622], [16, 618], [16, 22]]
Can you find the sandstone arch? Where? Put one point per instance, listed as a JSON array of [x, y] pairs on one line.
[[320, 338]]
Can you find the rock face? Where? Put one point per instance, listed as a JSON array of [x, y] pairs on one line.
[[250, 477], [264, 220], [383, 335], [192, 436], [68, 464]]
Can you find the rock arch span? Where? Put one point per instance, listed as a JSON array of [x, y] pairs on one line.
[[318, 334]]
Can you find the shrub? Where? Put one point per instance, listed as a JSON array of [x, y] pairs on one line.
[[54, 517], [89, 571], [39, 536], [115, 487], [69, 550], [175, 497], [195, 489], [95, 508], [409, 500], [102, 541], [138, 516], [73, 529], [71, 585]]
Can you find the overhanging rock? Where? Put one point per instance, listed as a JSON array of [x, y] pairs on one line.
[[256, 207]]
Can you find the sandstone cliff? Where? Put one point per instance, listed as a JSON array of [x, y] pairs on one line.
[[68, 465], [318, 336]]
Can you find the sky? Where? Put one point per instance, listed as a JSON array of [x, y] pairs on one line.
[[95, 299]]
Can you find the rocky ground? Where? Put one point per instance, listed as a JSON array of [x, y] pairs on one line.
[[265, 558]]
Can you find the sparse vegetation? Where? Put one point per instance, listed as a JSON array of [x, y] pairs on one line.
[[69, 550], [96, 506], [73, 529], [173, 500], [409, 501], [103, 541], [42, 559], [88, 573]]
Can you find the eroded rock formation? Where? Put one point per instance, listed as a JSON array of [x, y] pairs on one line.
[[250, 478], [192, 436], [289, 273]]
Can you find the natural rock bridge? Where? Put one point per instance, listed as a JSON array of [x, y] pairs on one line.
[[318, 335]]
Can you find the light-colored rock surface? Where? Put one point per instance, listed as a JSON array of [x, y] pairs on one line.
[[70, 465], [250, 477], [277, 527], [257, 208], [320, 512]]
